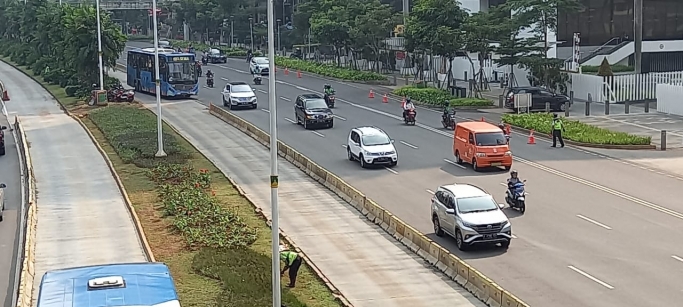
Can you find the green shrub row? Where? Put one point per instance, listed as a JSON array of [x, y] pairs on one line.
[[438, 97], [295, 64], [187, 198], [615, 68], [575, 130]]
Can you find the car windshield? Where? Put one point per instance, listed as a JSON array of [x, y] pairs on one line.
[[316, 104], [241, 88], [490, 139], [215, 51], [376, 139], [181, 71], [261, 60], [476, 204]]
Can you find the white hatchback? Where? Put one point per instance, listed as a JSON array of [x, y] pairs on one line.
[[371, 146], [259, 66]]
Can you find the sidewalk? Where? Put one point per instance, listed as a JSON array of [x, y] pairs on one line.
[[82, 218], [366, 264]]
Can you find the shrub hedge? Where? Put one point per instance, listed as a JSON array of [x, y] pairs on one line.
[[575, 130], [438, 97], [615, 68]]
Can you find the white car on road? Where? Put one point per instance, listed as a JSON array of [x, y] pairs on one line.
[[259, 65], [239, 95], [371, 146]]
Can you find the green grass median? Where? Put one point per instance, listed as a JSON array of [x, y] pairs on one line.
[[575, 130]]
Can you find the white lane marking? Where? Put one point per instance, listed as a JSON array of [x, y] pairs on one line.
[[430, 191], [318, 134], [602, 283], [285, 98], [408, 144], [339, 117], [290, 120], [453, 163], [264, 110], [677, 258], [262, 91], [343, 145], [224, 78], [593, 221], [505, 185], [391, 170]]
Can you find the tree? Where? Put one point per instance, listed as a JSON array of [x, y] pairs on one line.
[[482, 32], [436, 26], [605, 70], [370, 30]]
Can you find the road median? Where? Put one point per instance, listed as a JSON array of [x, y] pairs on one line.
[[482, 287]]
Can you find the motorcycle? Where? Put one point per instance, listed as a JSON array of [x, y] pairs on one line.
[[209, 82], [120, 94], [448, 120], [257, 79], [518, 198], [409, 118], [329, 99], [507, 138]]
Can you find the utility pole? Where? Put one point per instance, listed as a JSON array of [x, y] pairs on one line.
[[406, 8], [638, 34]]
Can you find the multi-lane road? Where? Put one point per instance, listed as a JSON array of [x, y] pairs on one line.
[[598, 232], [10, 175]]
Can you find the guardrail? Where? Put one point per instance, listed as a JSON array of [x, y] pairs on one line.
[[474, 281], [27, 254]]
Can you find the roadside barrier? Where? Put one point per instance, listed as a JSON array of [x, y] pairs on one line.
[[481, 286]]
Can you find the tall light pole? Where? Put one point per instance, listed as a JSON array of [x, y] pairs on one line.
[[251, 32], [279, 46], [272, 106], [232, 30], [99, 45], [638, 34], [160, 132]]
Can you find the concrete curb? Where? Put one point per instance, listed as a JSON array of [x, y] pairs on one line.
[[575, 143], [471, 279], [138, 226]]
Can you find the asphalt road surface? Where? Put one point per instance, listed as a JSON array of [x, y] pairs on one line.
[[598, 231], [10, 175]]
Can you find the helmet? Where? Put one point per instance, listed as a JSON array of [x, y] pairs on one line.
[[513, 173], [501, 126], [407, 99], [327, 86]]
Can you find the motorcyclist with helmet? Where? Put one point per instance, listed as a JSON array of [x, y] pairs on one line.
[[408, 106], [328, 91], [209, 78], [505, 132], [512, 181], [446, 116]]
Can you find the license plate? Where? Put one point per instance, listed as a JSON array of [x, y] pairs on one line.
[[496, 164], [486, 237]]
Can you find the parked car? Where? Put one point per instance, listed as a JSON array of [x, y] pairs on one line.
[[2, 199], [539, 96], [310, 110], [259, 65], [215, 56], [371, 146], [239, 95], [2, 140], [470, 215]]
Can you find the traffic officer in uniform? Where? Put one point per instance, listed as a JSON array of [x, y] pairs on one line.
[[292, 263], [558, 128]]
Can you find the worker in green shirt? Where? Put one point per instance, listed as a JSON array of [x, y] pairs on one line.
[[558, 128], [292, 263]]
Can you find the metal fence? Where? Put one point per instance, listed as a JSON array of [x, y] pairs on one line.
[[670, 99], [622, 88]]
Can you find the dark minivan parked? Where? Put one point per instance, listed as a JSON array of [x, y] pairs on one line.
[[311, 110], [539, 96]]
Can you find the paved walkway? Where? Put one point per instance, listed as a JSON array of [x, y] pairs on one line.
[[82, 219], [368, 266]]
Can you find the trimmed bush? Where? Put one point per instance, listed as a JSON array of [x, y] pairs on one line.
[[71, 90], [575, 130], [438, 97], [615, 69], [328, 70]]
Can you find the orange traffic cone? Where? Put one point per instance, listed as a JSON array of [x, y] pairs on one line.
[[482, 119], [532, 139], [298, 74], [371, 95], [286, 71], [385, 99], [5, 96]]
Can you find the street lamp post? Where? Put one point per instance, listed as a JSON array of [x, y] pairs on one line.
[[99, 45], [279, 45], [251, 32], [232, 30], [272, 106], [160, 135]]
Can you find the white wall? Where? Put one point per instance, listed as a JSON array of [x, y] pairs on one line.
[[621, 55]]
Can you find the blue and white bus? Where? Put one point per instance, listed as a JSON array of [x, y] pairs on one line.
[[127, 284], [177, 71]]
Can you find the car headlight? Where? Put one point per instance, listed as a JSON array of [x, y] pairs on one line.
[[508, 153], [468, 225], [367, 153], [481, 154], [391, 153], [310, 116], [507, 227]]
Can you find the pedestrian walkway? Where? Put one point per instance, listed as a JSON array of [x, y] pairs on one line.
[[82, 218], [366, 264]]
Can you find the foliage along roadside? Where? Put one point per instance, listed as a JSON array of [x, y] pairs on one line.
[[575, 130], [231, 52], [438, 97], [326, 70], [227, 241], [56, 41]]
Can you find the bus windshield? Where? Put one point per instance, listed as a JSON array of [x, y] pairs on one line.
[[180, 72]]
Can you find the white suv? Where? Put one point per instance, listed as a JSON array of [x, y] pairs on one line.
[[239, 95], [371, 146], [470, 215]]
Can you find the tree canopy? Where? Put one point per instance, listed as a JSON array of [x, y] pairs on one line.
[[42, 33]]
